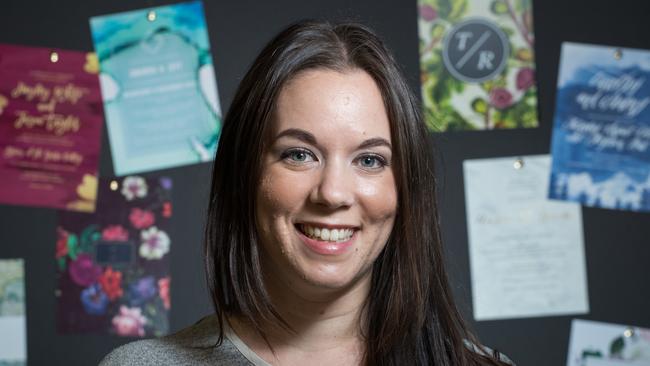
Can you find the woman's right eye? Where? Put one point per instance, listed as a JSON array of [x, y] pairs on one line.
[[298, 156]]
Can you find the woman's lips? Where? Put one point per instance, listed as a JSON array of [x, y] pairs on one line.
[[327, 247]]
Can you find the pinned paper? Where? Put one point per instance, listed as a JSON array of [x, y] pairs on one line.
[[51, 121], [158, 85], [477, 64]]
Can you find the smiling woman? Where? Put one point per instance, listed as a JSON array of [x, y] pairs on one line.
[[322, 241]]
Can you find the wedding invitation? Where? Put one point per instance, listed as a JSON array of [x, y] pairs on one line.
[[604, 344], [113, 266], [601, 132], [13, 338], [159, 88], [526, 252], [477, 64], [51, 121]]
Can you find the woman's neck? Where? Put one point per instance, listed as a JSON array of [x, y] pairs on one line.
[[326, 324]]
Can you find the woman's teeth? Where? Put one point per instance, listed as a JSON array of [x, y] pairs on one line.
[[324, 234]]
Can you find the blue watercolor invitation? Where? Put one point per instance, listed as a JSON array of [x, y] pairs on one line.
[[158, 86], [601, 133]]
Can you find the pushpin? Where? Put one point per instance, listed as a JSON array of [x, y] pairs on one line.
[[54, 57], [113, 185], [519, 163], [151, 15], [629, 332], [618, 54]]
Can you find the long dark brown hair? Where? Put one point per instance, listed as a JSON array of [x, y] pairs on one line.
[[410, 312]]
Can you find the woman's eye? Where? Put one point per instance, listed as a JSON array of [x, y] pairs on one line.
[[372, 162], [298, 156]]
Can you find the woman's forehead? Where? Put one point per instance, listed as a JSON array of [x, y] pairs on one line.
[[327, 102]]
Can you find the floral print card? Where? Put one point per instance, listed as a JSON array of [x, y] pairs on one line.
[[51, 120], [595, 343], [158, 85], [477, 64], [13, 340], [113, 265]]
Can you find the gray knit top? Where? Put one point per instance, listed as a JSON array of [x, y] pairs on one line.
[[195, 346]]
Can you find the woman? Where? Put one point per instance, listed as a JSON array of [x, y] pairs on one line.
[[322, 242]]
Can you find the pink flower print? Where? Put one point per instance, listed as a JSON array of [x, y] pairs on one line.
[[163, 291], [129, 322], [115, 233], [500, 98], [134, 187], [83, 271], [428, 13], [141, 219], [155, 243], [525, 78]]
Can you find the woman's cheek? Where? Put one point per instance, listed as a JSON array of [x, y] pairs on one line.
[[379, 197]]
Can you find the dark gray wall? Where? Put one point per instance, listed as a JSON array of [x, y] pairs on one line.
[[617, 244]]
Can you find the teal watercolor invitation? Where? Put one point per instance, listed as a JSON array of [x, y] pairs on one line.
[[158, 86]]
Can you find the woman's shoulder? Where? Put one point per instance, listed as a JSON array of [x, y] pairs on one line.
[[194, 345]]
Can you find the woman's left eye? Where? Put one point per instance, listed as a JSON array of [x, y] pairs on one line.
[[372, 162]]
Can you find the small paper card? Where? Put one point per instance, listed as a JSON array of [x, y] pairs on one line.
[[477, 64], [601, 133], [113, 266], [50, 127], [604, 344], [13, 335], [526, 252], [158, 85]]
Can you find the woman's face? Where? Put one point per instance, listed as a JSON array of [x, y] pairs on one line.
[[327, 199]]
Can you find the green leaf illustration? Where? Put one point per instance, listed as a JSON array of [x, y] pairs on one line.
[[73, 246]]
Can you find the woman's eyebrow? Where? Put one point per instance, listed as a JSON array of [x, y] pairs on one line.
[[374, 142], [309, 138], [298, 134]]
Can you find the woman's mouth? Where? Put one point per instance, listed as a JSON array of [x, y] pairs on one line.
[[326, 240], [326, 234]]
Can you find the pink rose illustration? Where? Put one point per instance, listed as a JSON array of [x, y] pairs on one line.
[[428, 13], [129, 322], [83, 271], [141, 219], [500, 98], [525, 78], [115, 233]]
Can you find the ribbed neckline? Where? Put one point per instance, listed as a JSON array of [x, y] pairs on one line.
[[242, 347]]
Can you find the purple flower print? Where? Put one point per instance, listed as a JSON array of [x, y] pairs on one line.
[[500, 98], [83, 271], [525, 78], [428, 13], [94, 300], [142, 290]]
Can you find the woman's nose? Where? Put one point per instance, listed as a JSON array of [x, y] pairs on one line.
[[335, 186]]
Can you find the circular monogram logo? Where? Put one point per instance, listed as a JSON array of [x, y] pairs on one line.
[[475, 50]]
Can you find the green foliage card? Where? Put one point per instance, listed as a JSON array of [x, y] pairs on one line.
[[477, 64]]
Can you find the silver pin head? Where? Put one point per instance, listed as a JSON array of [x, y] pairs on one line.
[[151, 15], [54, 57], [113, 185], [629, 332], [518, 164], [618, 53]]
